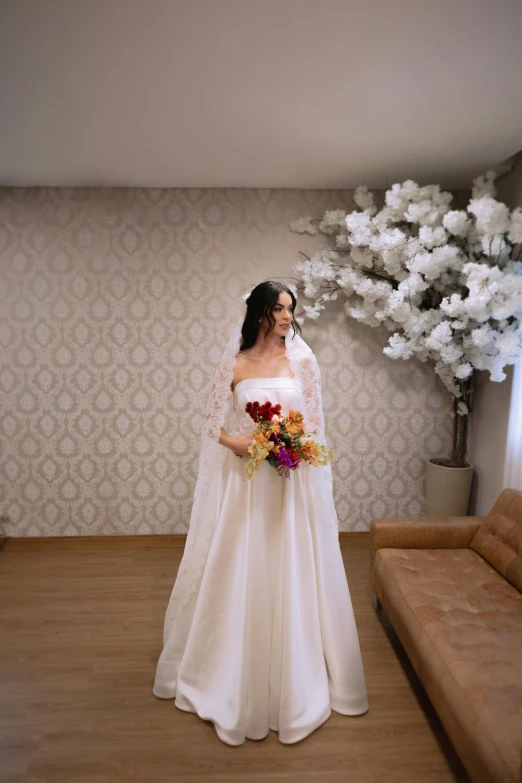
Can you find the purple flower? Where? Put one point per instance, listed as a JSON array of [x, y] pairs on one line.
[[285, 460]]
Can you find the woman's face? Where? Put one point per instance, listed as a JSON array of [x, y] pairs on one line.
[[283, 312]]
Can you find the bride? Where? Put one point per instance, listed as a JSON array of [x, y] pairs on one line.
[[259, 632]]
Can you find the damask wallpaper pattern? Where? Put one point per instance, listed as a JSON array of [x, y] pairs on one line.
[[115, 305]]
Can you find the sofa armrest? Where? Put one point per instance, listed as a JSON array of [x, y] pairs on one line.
[[422, 533]]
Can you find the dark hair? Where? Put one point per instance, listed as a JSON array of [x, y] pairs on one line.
[[263, 298]]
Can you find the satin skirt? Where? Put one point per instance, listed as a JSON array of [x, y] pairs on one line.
[[272, 643]]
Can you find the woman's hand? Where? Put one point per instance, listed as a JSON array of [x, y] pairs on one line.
[[240, 444], [237, 443]]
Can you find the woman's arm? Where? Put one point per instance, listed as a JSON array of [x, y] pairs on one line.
[[238, 444], [225, 439]]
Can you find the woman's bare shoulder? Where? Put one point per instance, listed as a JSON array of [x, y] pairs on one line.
[[240, 368]]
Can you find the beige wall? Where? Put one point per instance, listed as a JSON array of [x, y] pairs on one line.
[[115, 304], [490, 418], [487, 442]]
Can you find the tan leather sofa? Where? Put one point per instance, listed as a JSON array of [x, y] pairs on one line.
[[451, 587]]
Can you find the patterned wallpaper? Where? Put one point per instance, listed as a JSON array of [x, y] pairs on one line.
[[115, 305]]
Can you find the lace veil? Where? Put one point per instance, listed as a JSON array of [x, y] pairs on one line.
[[220, 412]]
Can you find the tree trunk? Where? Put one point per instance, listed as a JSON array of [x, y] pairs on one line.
[[460, 426]]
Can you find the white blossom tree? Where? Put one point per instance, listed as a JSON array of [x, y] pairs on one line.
[[447, 283]]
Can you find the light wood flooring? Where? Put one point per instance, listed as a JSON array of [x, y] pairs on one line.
[[81, 624]]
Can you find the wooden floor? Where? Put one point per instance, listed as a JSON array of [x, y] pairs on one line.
[[81, 625]]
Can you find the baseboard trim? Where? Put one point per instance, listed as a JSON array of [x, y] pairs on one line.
[[173, 539]]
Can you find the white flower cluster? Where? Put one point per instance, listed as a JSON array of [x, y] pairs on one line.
[[447, 283]]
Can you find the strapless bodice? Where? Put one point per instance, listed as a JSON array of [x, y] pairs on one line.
[[284, 391]]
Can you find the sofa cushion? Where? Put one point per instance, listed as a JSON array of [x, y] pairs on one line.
[[499, 538], [461, 624]]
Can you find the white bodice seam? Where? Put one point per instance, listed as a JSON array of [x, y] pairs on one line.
[[275, 378]]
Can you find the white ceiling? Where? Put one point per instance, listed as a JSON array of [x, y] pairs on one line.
[[257, 93]]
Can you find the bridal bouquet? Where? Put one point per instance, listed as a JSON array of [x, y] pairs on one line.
[[282, 441]]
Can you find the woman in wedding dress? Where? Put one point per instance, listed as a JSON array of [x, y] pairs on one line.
[[259, 631]]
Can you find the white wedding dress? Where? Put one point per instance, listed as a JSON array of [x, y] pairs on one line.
[[272, 642]]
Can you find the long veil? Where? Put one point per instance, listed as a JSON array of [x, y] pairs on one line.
[[220, 412]]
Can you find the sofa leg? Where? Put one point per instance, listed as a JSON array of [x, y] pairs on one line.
[[376, 603]]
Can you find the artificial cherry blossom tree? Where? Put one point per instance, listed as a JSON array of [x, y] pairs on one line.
[[447, 283]]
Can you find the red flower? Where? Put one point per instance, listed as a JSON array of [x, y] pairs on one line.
[[262, 412]]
